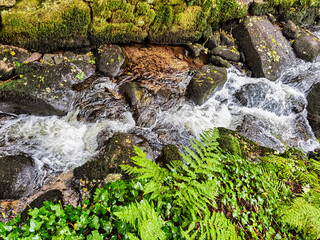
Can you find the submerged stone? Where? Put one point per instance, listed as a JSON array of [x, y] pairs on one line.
[[204, 82]]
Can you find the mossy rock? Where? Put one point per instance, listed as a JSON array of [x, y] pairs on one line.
[[46, 25], [120, 21], [232, 142], [43, 89]]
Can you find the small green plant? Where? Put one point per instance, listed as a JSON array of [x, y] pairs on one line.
[[80, 75]]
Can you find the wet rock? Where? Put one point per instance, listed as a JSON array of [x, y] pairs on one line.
[[17, 176], [48, 58], [44, 89], [46, 27], [204, 82], [237, 144], [54, 196], [195, 50], [307, 46], [313, 109], [266, 49], [272, 18], [135, 94], [99, 99], [170, 153], [213, 41], [10, 58], [110, 59], [227, 53], [225, 40], [119, 150], [290, 30], [219, 61]]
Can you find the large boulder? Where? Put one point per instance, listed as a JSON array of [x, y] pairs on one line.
[[17, 177], [313, 109], [46, 25], [110, 59], [307, 46], [266, 49], [43, 89], [204, 82]]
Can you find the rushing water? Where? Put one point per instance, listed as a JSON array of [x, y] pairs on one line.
[[271, 113]]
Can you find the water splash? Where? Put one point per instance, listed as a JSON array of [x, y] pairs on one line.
[[57, 143]]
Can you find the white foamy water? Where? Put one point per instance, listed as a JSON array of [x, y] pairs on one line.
[[270, 113], [57, 143]]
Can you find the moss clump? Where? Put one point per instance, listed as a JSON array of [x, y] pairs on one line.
[[46, 25], [120, 21]]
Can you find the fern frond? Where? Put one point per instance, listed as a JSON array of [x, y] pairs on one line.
[[303, 214], [145, 219]]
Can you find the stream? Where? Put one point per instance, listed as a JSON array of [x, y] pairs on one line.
[[270, 113]]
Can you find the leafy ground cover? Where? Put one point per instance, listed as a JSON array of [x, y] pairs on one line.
[[210, 195]]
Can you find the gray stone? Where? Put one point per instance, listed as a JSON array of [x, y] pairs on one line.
[[231, 54], [307, 46], [110, 59], [290, 30], [204, 82], [218, 61], [225, 40], [17, 177], [265, 48], [6, 70], [195, 50], [213, 41], [313, 109]]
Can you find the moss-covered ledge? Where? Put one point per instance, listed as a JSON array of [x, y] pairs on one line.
[[49, 25]]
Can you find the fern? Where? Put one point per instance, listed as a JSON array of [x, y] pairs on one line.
[[304, 214], [144, 219], [192, 187]]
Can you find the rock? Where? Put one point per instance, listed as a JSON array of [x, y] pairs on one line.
[[204, 82], [225, 40], [118, 151], [260, 7], [135, 94], [54, 196], [44, 89], [7, 3], [170, 153], [195, 50], [213, 41], [265, 48], [227, 53], [6, 70], [290, 30], [272, 18], [17, 176], [34, 57], [110, 59], [313, 109], [57, 25], [11, 58], [99, 99], [307, 47], [218, 61]]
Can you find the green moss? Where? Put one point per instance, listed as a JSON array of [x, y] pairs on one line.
[[120, 21], [46, 25]]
